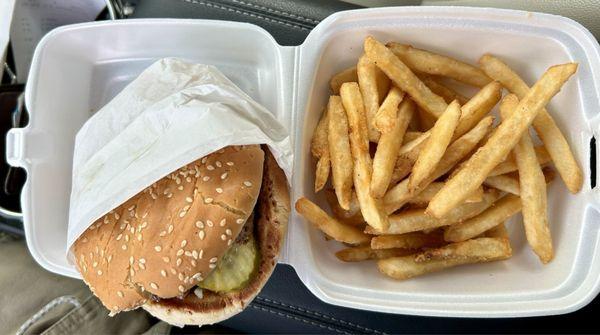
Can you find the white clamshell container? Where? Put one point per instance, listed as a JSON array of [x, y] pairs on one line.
[[77, 69]]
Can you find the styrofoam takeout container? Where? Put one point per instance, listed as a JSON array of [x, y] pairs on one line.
[[77, 69]]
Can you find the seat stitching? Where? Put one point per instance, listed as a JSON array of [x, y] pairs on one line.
[[278, 12], [289, 316]]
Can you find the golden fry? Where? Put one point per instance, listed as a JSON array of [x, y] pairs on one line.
[[351, 216], [498, 232], [371, 208], [334, 229], [414, 240], [367, 82], [403, 77], [385, 119], [478, 251], [346, 76], [443, 91], [416, 220], [363, 253], [411, 135], [553, 139], [505, 183], [501, 142], [389, 144], [510, 165], [506, 207], [431, 63], [320, 150], [398, 195], [533, 190], [339, 148], [433, 151]]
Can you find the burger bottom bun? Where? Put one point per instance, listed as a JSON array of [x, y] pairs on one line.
[[272, 212]]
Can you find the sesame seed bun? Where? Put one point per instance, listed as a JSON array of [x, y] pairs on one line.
[[272, 213], [167, 238]]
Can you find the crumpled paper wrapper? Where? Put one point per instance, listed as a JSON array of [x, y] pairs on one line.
[[172, 114]]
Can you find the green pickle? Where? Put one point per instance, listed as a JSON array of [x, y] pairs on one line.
[[235, 268]]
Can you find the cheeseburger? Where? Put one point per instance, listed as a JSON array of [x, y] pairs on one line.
[[196, 246]]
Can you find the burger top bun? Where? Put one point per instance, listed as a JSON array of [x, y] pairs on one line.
[[168, 237], [271, 216]]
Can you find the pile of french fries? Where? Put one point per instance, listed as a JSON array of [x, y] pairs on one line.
[[422, 180]]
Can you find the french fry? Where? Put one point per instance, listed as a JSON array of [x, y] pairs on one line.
[[320, 150], [385, 119], [398, 195], [544, 124], [410, 136], [367, 82], [437, 143], [510, 165], [416, 220], [371, 208], [351, 216], [346, 76], [403, 77], [333, 228], [443, 91], [501, 142], [423, 198], [414, 240], [339, 151], [498, 232], [505, 183], [533, 190], [431, 63], [389, 144], [478, 251], [506, 207], [363, 253], [402, 168], [471, 113], [482, 247]]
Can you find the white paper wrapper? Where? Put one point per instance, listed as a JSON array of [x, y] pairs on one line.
[[172, 114]]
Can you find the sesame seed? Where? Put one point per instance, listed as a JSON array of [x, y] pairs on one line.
[[188, 253], [166, 191], [162, 233], [180, 276], [154, 197], [142, 266], [203, 161], [182, 214], [239, 221], [144, 216], [223, 223], [180, 187], [173, 271], [186, 207], [122, 226], [197, 276], [179, 252], [195, 254], [144, 224], [201, 253], [166, 259], [213, 260], [170, 195], [170, 230], [99, 272], [247, 183], [177, 180], [131, 259], [193, 262], [223, 237], [95, 264], [189, 199], [210, 167], [120, 294], [119, 237], [229, 242], [181, 289], [219, 190], [124, 247], [208, 200], [139, 237], [186, 279], [188, 179], [117, 216], [230, 163], [205, 178], [212, 266], [224, 176], [201, 234], [199, 224], [163, 273], [154, 286], [228, 232], [142, 261], [209, 223], [109, 259], [158, 248], [132, 230], [132, 207], [178, 263], [126, 238]]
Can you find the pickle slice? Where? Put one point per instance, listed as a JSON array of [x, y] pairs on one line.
[[234, 269]]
